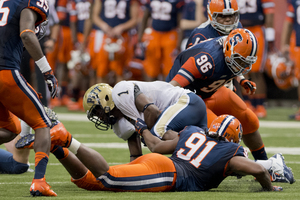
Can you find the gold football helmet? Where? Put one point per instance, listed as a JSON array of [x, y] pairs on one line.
[[98, 103]]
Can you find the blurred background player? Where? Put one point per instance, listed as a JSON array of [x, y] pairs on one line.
[[16, 95], [79, 63], [67, 42], [290, 43], [192, 17], [163, 36], [257, 16], [115, 18]]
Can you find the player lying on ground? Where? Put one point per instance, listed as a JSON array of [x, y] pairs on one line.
[[187, 154]]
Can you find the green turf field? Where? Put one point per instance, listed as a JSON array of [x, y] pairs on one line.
[[281, 136]]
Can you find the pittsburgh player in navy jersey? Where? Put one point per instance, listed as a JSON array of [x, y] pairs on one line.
[[17, 97], [200, 161], [206, 67]]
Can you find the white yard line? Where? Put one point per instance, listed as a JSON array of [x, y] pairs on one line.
[[265, 124]]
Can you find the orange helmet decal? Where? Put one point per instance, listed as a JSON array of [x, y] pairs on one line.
[[240, 50]]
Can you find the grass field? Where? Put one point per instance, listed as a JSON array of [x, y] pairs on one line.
[[279, 136]]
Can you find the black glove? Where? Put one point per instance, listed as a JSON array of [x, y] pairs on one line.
[[140, 126], [51, 82]]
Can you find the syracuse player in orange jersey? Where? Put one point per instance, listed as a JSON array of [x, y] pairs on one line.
[[290, 46], [17, 98], [257, 16], [114, 18], [207, 66], [165, 38]]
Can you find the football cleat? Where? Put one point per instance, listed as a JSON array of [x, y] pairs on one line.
[[285, 174], [39, 187], [26, 142]]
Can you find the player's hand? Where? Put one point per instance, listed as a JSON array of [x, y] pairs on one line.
[[139, 51], [140, 126], [277, 188], [51, 82], [249, 86]]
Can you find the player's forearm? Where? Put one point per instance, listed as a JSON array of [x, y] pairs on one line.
[[264, 180]]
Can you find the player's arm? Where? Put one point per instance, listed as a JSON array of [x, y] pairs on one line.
[[286, 34], [143, 24], [186, 24], [134, 12], [145, 105], [96, 17], [245, 166], [134, 145], [157, 145], [27, 33], [182, 78]]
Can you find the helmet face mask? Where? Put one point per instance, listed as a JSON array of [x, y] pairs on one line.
[[98, 104], [240, 50], [226, 127], [223, 15]]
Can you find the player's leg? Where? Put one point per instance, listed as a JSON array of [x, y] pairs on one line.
[[225, 101], [25, 104]]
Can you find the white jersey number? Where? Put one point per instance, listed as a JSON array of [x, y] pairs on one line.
[[190, 143], [4, 11], [83, 9], [215, 85], [161, 10], [112, 9], [247, 6]]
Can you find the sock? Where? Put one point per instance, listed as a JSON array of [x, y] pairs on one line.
[[266, 163], [25, 129], [260, 153], [41, 161], [74, 146], [59, 152]]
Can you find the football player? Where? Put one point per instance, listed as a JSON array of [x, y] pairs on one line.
[[290, 46], [207, 66], [114, 18], [164, 36], [257, 16], [200, 161], [17, 97], [160, 104]]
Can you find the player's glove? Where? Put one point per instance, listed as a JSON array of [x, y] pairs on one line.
[[249, 86], [140, 126], [51, 82], [277, 188]]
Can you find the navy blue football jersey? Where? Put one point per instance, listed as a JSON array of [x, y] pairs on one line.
[[203, 32], [201, 161], [293, 15], [11, 46], [202, 67]]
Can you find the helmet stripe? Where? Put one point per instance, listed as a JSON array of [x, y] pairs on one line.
[[254, 43], [225, 123], [227, 4]]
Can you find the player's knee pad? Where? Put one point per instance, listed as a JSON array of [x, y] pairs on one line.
[[87, 182], [249, 121]]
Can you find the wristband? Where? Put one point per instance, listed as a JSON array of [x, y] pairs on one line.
[[135, 155], [27, 30], [270, 34], [146, 106], [43, 64]]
